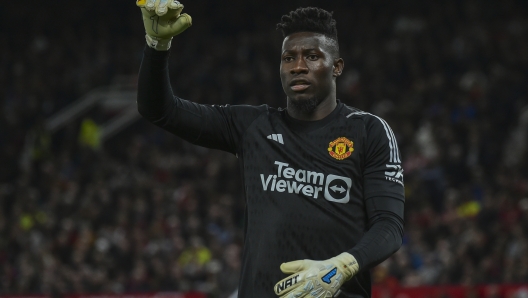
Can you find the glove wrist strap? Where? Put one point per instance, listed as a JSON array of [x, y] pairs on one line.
[[158, 44], [348, 264]]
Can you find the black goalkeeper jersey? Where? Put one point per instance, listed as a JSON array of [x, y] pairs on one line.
[[306, 182]]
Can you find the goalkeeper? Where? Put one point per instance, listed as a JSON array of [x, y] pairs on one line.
[[323, 180]]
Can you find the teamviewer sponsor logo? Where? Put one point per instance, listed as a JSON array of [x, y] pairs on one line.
[[307, 183], [337, 189]]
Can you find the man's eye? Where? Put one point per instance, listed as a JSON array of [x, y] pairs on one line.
[[287, 58], [312, 57]]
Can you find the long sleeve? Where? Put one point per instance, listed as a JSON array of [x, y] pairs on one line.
[[383, 195], [213, 126], [385, 233], [154, 90]]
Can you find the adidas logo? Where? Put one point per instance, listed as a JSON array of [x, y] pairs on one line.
[[276, 138]]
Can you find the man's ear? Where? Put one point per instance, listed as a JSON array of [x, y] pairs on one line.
[[338, 66]]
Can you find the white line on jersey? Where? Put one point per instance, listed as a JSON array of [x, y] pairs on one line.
[[276, 138], [394, 151]]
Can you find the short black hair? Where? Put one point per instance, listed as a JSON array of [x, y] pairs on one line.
[[310, 19]]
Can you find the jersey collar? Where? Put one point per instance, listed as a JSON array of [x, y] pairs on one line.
[[302, 126]]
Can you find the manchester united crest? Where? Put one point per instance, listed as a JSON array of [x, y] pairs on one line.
[[341, 148]]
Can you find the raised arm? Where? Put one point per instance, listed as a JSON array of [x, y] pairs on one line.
[[212, 126]]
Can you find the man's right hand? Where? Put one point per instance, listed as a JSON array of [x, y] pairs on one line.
[[163, 20]]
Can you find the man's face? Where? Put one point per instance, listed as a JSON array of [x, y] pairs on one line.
[[308, 69]]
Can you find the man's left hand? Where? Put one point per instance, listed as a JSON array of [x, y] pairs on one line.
[[317, 279]]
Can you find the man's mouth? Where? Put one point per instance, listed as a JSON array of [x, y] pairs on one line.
[[299, 85]]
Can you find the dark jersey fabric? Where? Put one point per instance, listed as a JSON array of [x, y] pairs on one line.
[[302, 202]]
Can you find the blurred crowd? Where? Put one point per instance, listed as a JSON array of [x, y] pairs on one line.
[[147, 212]]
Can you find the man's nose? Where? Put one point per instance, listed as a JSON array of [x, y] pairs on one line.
[[299, 66]]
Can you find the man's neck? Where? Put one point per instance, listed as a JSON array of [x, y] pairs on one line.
[[321, 111]]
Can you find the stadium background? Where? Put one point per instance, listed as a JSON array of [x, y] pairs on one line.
[[84, 209]]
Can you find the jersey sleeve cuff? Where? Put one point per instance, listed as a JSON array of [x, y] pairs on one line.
[[156, 55], [356, 254]]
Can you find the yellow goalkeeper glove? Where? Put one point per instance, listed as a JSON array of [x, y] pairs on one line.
[[316, 279], [163, 20]]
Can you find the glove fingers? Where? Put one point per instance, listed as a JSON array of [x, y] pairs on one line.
[[183, 22], [292, 267], [173, 14], [296, 294], [175, 4], [162, 7], [297, 286], [319, 293], [150, 5], [288, 284]]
